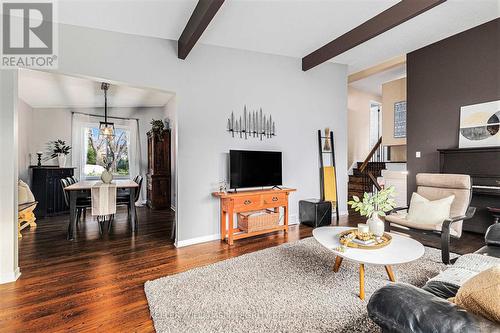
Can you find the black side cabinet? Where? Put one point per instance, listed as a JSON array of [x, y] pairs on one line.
[[46, 187], [315, 213]]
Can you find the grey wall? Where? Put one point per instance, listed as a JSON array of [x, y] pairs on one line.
[[461, 70], [211, 83]]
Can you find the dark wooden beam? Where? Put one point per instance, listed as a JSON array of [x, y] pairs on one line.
[[200, 19], [388, 19]]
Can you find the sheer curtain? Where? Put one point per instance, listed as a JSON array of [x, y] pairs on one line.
[[78, 150], [135, 155]]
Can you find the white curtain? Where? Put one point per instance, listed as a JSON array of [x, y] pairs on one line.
[[135, 155], [78, 150]]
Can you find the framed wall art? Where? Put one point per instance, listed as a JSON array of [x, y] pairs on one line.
[[400, 119], [480, 125]]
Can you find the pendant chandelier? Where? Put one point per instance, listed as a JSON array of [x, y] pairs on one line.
[[106, 129]]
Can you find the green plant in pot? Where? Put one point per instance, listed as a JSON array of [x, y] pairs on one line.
[[373, 206], [107, 175], [59, 149], [158, 128]]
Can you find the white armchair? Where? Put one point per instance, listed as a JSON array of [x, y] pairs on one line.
[[435, 187]]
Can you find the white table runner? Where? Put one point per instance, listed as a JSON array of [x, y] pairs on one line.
[[103, 199]]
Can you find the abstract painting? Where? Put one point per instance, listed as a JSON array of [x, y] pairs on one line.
[[480, 125]]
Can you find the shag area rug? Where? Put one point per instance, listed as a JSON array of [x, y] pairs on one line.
[[288, 288]]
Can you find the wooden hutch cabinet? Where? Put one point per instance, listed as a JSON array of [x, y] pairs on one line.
[[158, 177]]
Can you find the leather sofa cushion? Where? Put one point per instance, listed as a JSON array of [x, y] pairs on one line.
[[403, 308], [441, 289], [492, 236]]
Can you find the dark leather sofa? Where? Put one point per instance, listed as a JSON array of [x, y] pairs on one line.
[[403, 308]]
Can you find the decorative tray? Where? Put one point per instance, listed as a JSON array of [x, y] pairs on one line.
[[352, 238]]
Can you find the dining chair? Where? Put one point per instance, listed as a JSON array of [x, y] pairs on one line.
[[81, 203], [124, 200]]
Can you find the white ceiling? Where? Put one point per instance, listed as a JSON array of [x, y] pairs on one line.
[[284, 27], [373, 83], [49, 90]]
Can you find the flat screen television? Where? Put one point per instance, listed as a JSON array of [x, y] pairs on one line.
[[254, 168]]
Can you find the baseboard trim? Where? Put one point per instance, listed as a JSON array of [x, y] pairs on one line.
[[10, 277], [197, 240], [203, 239]]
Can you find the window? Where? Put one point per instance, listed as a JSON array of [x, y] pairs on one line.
[[98, 147]]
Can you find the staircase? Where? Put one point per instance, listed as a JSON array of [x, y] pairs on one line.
[[357, 182], [364, 178]]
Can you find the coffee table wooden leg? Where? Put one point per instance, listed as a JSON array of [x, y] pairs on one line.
[[362, 281], [338, 261], [390, 273]]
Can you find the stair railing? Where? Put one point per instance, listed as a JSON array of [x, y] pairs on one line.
[[367, 169]]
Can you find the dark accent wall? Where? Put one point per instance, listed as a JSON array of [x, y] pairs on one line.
[[461, 70]]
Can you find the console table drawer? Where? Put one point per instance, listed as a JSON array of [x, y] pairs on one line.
[[274, 199], [248, 202]]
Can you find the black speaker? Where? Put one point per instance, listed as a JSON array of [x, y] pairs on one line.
[[315, 213]]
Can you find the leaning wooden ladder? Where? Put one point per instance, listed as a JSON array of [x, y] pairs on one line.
[[328, 174]]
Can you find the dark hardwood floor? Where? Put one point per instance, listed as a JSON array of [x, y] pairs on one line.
[[95, 284]]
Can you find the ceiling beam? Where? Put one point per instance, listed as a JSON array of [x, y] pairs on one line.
[[200, 19], [388, 19], [382, 67]]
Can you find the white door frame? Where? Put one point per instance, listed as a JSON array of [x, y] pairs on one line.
[[9, 263]]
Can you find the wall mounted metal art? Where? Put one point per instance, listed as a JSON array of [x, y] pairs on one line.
[[252, 124]]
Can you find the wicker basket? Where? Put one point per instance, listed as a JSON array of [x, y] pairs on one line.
[[256, 221]]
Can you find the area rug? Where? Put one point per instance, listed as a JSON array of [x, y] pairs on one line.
[[288, 288]]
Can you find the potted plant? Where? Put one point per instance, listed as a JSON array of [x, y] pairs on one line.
[[107, 175], [59, 149], [158, 128], [374, 205]]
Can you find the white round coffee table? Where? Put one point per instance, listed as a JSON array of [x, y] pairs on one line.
[[401, 250]]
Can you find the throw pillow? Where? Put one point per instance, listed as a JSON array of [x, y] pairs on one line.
[[24, 193], [426, 212], [481, 294]]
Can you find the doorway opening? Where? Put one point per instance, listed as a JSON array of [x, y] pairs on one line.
[[57, 110]]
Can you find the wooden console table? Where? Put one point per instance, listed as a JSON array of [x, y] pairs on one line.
[[246, 201]]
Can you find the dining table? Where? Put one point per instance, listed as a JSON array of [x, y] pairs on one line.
[[82, 189]]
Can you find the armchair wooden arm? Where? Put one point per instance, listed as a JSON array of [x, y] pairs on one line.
[[397, 209], [445, 232], [387, 224]]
